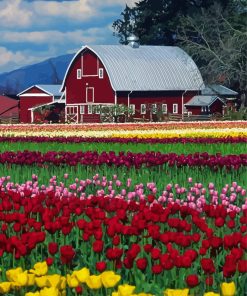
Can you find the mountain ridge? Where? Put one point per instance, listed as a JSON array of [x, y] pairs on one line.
[[50, 71]]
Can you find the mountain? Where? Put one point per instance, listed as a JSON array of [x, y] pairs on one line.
[[50, 71]]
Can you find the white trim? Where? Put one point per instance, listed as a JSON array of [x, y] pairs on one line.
[[92, 75], [79, 104], [175, 106], [115, 97], [88, 87], [133, 108], [35, 95], [74, 58], [145, 109], [32, 117], [74, 113], [38, 106], [35, 85], [164, 110]]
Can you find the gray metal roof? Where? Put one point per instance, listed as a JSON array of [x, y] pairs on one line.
[[53, 89], [202, 101], [147, 68], [217, 89]]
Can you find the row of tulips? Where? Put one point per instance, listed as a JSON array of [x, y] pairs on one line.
[[7, 128], [76, 139], [149, 244], [195, 195], [135, 133], [81, 282], [129, 159]]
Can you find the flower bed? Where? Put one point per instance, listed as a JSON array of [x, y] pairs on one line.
[[193, 237]]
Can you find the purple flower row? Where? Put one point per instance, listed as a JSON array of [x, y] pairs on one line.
[[124, 140], [128, 159]]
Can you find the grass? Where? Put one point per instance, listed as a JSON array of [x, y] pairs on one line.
[[179, 148]]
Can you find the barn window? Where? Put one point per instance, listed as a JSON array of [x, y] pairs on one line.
[[82, 109], [143, 108], [164, 108], [78, 73], [90, 109], [175, 108], [96, 109], [132, 108], [101, 73], [154, 108]]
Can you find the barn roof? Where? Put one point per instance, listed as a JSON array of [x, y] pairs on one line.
[[202, 101], [51, 89], [218, 89], [147, 68]]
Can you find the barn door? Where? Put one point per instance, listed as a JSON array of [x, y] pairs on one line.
[[72, 114], [90, 94]]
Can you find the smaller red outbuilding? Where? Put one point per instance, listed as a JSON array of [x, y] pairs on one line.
[[35, 96], [9, 110], [204, 105]]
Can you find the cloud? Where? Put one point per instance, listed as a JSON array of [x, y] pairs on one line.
[[12, 14], [8, 56], [88, 36]]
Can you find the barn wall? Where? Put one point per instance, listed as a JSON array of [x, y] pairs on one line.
[[216, 107], [34, 90], [76, 88], [29, 102]]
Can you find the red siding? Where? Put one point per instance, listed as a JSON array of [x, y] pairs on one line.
[[29, 102], [216, 107], [34, 90], [76, 88], [8, 107]]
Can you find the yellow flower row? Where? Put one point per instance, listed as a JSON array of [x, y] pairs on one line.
[[55, 284], [125, 133]]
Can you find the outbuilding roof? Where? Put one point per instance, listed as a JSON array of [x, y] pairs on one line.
[[218, 89], [51, 89], [203, 101], [146, 68]]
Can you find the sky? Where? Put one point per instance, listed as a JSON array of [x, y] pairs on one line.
[[34, 30]]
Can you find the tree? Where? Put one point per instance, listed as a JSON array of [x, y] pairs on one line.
[[217, 41], [155, 21]]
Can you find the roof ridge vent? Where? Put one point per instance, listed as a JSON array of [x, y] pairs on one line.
[[133, 41]]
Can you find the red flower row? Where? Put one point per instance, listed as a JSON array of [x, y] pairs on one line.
[[200, 140], [128, 159]]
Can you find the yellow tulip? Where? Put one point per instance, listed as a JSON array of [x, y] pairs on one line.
[[15, 285], [110, 279], [94, 282], [5, 287], [63, 283], [211, 294], [114, 294], [13, 273], [125, 290], [30, 279], [228, 289], [32, 294], [49, 292], [41, 282], [40, 268], [72, 281], [54, 280], [22, 278], [176, 292], [82, 274]]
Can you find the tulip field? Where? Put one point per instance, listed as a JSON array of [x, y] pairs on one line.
[[124, 209]]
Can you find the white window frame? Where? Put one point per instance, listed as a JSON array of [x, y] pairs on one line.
[[78, 73], [143, 108], [88, 87], [82, 109], [154, 108], [189, 113], [89, 109], [164, 108], [175, 108], [96, 109], [101, 73], [133, 107]]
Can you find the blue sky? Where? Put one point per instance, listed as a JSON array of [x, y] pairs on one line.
[[34, 30]]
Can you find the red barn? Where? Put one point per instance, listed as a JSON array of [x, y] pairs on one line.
[[140, 77], [9, 110], [36, 96]]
